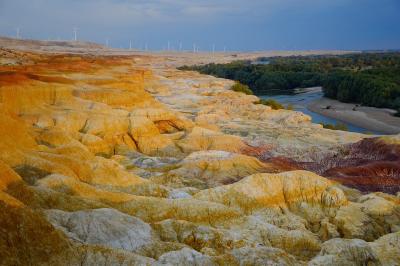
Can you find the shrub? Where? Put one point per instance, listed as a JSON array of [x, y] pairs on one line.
[[239, 87], [338, 126], [290, 107], [272, 103]]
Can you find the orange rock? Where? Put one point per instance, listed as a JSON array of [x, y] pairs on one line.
[[8, 176]]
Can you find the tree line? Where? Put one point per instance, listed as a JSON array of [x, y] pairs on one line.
[[370, 79]]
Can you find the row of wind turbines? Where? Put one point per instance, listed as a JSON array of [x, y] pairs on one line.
[[196, 48], [169, 47]]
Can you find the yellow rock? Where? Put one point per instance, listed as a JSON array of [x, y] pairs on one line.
[[152, 209], [219, 167], [74, 187], [148, 138], [15, 140], [8, 176], [202, 139], [164, 119], [96, 145], [370, 218], [276, 190]]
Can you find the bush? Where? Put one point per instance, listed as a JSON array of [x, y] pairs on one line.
[[290, 107], [338, 126], [239, 87], [272, 103]]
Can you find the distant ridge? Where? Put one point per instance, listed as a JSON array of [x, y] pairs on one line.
[[382, 51], [27, 44]]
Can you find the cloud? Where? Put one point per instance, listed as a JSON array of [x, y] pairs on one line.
[[194, 19], [119, 11]]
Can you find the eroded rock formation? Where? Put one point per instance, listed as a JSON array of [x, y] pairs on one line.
[[122, 160]]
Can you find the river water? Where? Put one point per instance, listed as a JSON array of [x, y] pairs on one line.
[[301, 99]]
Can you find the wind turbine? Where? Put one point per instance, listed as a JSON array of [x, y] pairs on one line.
[[180, 46], [168, 46], [130, 45], [213, 49], [75, 30], [194, 47], [18, 33]]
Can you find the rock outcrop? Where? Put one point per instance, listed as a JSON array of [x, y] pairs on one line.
[[369, 165]]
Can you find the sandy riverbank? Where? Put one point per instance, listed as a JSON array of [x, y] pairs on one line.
[[371, 118]]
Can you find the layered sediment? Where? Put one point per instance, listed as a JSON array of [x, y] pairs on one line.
[[124, 160]]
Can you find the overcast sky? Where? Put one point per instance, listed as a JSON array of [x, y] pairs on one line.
[[238, 25]]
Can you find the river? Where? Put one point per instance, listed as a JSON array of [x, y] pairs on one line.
[[301, 98]]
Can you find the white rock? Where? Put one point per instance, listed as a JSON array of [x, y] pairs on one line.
[[107, 227], [263, 256], [186, 257], [339, 251], [179, 194]]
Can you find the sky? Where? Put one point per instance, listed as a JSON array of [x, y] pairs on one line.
[[236, 25]]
